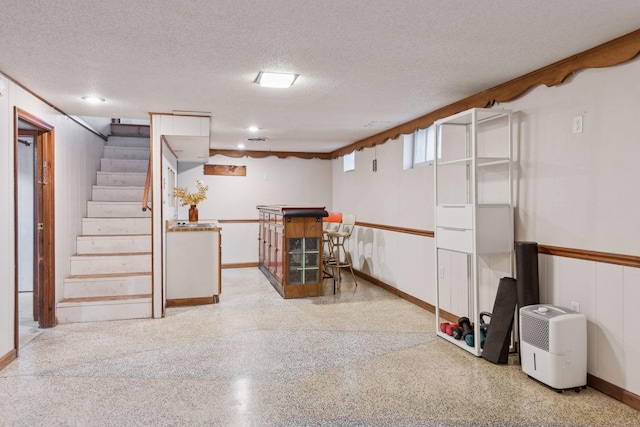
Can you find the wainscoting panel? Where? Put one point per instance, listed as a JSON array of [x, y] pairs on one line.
[[608, 295], [630, 302], [610, 328]]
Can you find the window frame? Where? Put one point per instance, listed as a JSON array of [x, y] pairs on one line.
[[349, 162], [420, 148]]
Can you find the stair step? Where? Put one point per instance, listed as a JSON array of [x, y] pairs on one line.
[[108, 263], [123, 179], [91, 226], [95, 309], [123, 129], [106, 285], [127, 141], [107, 209], [70, 301], [106, 244], [111, 272], [130, 153], [117, 194], [124, 165]]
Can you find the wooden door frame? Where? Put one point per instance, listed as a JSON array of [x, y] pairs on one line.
[[44, 241]]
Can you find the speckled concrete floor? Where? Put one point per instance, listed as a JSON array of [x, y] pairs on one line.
[[360, 358], [27, 328]]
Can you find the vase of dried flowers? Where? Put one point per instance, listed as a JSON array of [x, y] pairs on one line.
[[192, 199], [193, 213]]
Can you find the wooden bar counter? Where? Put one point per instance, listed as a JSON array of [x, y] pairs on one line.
[[290, 249]]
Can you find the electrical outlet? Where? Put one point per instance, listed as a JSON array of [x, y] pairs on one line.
[[441, 272], [577, 124], [575, 306]]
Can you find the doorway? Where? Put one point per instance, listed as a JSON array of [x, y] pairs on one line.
[[26, 202], [34, 226]]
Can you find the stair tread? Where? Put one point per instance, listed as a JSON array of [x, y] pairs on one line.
[[113, 254], [107, 275], [120, 187], [105, 298], [89, 236], [124, 147], [145, 161], [119, 218], [128, 202], [121, 173]]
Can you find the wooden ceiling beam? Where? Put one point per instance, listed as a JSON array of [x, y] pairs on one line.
[[262, 154]]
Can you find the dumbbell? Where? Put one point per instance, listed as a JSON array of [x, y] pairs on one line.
[[447, 327], [451, 327], [457, 332], [443, 326], [467, 330], [465, 324]]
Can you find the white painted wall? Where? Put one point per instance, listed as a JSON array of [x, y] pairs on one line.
[[581, 191], [169, 168], [290, 181], [169, 203], [77, 158], [7, 284], [394, 197], [573, 190], [100, 124], [160, 124]]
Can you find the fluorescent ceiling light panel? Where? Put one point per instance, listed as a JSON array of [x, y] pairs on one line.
[[93, 99], [278, 80]]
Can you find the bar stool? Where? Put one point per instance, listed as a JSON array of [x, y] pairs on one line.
[[338, 239], [331, 223]]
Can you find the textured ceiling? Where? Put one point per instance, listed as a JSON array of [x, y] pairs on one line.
[[364, 65]]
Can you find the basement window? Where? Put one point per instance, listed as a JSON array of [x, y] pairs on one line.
[[349, 162], [419, 148]]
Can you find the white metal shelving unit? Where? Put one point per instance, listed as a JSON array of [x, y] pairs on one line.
[[470, 217]]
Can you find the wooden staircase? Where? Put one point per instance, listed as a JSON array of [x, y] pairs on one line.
[[111, 271]]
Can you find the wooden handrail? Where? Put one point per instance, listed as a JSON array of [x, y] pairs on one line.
[[147, 186]]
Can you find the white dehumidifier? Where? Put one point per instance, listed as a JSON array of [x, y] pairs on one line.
[[553, 346]]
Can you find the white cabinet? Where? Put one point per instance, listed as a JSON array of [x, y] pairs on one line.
[[191, 126], [473, 203], [193, 263]]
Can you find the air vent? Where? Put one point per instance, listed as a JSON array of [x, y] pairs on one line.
[[381, 124], [535, 331], [257, 139]]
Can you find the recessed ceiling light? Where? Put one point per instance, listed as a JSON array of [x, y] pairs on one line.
[[253, 128], [241, 146], [93, 99], [278, 80]]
